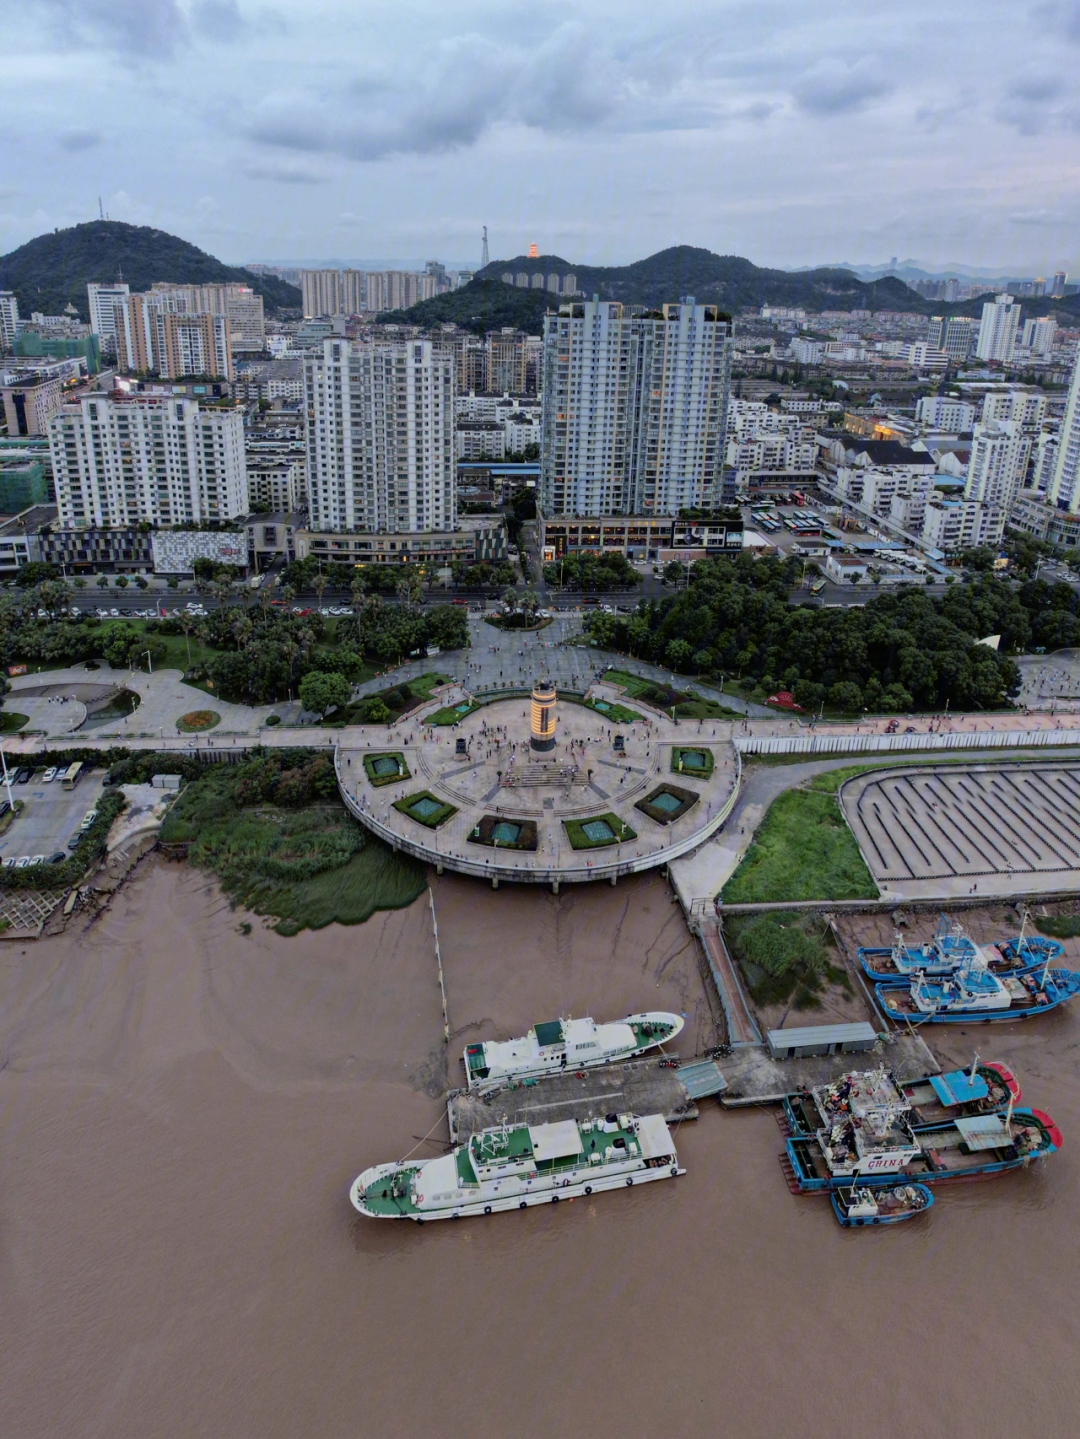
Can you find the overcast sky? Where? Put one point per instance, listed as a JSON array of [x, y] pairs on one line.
[[791, 131]]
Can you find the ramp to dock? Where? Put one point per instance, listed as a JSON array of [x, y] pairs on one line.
[[702, 1078], [740, 1022], [640, 1086]]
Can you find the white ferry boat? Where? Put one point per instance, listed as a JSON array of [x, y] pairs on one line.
[[516, 1166], [567, 1044]]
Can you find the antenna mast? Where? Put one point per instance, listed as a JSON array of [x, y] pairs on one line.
[[100, 209], [484, 251]]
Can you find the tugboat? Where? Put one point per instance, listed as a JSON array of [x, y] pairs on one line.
[[882, 1146], [951, 949], [973, 994], [856, 1207], [567, 1044], [982, 1089], [517, 1166]]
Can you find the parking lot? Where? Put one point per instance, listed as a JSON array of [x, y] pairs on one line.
[[51, 815]]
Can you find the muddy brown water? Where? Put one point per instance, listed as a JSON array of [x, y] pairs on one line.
[[182, 1108]]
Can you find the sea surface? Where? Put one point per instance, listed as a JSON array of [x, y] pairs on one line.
[[183, 1107]]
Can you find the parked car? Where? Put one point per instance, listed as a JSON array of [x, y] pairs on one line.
[[88, 818], [10, 862], [58, 858], [49, 775], [22, 776], [76, 839], [4, 807], [38, 859], [23, 862]]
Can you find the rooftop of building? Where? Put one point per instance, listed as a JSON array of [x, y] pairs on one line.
[[30, 521]]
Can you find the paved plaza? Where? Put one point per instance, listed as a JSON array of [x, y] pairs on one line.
[[975, 825], [484, 767]]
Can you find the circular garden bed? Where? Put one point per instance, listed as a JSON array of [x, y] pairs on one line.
[[195, 721]]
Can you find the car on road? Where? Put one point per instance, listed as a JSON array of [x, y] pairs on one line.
[[49, 775], [88, 818]]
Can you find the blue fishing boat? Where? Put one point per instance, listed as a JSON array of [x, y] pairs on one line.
[[973, 994], [981, 1089], [883, 1147], [951, 949], [856, 1206]]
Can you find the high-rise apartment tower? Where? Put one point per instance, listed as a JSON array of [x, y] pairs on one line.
[[380, 437], [634, 408]]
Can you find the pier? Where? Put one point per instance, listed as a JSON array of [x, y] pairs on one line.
[[640, 1086]]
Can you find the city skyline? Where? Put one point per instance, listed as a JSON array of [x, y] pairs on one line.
[[787, 134]]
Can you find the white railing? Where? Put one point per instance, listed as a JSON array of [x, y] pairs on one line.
[[899, 743], [523, 871]]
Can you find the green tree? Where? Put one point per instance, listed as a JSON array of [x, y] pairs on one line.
[[375, 711], [320, 691], [121, 582], [678, 654]]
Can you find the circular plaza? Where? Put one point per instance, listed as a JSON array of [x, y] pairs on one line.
[[538, 787]]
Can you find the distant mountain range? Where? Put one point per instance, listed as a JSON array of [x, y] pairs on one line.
[[916, 270], [726, 280], [52, 270], [729, 281]]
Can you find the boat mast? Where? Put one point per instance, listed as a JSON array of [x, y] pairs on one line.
[[974, 1066]]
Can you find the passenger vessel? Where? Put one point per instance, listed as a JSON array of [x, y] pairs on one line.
[[518, 1166], [568, 1044]]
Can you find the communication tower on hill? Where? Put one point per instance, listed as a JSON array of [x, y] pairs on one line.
[[484, 250]]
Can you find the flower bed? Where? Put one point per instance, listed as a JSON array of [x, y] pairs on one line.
[[693, 760], [426, 809], [598, 831], [667, 803], [386, 768], [502, 833], [195, 721]]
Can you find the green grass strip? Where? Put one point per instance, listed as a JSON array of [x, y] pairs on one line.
[[803, 850]]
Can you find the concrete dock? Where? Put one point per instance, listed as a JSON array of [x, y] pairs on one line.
[[639, 1086], [754, 1077]]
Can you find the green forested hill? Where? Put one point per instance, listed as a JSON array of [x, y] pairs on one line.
[[726, 280], [51, 270], [480, 306]]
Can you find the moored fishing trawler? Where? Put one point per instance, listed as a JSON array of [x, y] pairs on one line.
[[568, 1044], [883, 1147], [951, 949], [973, 994], [517, 1166], [982, 1089], [855, 1207]]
